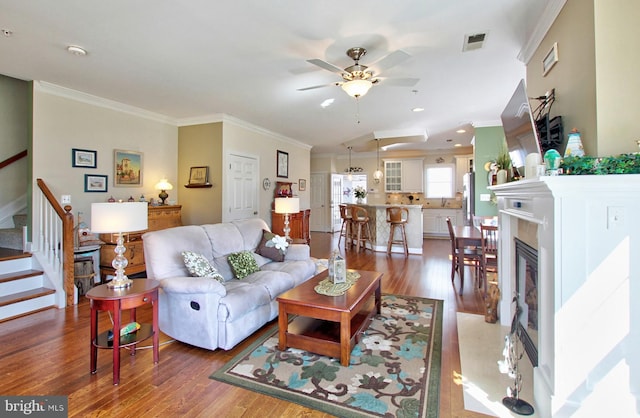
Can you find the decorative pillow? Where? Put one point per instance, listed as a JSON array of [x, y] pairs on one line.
[[199, 266], [243, 264], [272, 246]]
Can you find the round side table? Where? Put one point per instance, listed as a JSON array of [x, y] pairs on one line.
[[102, 298]]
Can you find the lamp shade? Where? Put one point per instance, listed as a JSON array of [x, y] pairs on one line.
[[164, 185], [287, 205], [357, 88], [118, 217]]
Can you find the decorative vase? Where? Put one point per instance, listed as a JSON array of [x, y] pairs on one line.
[[502, 176], [359, 200]]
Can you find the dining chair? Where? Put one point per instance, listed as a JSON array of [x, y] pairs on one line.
[[462, 256], [489, 247]]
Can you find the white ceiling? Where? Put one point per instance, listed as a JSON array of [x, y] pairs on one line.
[[192, 59]]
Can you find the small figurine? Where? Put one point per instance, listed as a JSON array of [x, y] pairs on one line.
[[131, 199], [111, 199]]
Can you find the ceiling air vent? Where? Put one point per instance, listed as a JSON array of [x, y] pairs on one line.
[[474, 41]]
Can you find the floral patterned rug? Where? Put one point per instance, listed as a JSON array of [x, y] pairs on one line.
[[394, 370]]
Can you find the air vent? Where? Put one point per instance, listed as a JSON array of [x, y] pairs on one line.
[[474, 41]]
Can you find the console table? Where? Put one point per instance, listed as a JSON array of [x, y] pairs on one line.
[[102, 298]]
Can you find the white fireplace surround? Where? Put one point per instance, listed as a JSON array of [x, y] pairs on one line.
[[588, 241]]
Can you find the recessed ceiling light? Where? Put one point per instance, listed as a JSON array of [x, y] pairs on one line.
[[457, 145], [417, 109], [76, 50], [461, 131], [327, 103]]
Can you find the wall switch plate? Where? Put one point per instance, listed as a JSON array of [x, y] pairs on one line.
[[485, 197], [66, 199]]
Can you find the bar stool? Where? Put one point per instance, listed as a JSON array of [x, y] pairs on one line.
[[345, 229], [397, 217], [362, 232]]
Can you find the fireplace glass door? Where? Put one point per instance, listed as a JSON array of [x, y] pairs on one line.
[[527, 290]]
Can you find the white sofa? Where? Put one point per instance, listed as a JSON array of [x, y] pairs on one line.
[[205, 312]]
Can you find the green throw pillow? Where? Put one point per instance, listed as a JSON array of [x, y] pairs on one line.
[[243, 264], [199, 266]]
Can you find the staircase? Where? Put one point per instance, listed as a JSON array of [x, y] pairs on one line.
[[22, 287], [13, 237]]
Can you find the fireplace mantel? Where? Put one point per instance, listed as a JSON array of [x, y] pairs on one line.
[[587, 233]]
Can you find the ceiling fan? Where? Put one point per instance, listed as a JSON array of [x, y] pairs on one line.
[[358, 78]]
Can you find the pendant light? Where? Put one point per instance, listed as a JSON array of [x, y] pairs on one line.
[[350, 175], [377, 175]]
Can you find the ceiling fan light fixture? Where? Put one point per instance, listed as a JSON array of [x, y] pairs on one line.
[[357, 88]]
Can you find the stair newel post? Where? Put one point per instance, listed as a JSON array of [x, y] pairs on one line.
[[67, 253]]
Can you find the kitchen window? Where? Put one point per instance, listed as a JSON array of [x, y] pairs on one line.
[[439, 180]]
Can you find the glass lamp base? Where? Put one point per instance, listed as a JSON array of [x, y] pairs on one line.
[[119, 284]]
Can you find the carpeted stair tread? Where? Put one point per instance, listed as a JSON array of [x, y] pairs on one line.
[[11, 238], [17, 275], [26, 295]]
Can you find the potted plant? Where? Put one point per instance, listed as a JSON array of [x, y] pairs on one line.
[[360, 193], [503, 163]]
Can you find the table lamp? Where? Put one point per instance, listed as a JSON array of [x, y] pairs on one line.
[[287, 205], [163, 185], [118, 218]]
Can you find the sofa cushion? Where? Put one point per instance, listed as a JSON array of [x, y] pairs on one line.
[[243, 264], [199, 266], [272, 246], [241, 298]]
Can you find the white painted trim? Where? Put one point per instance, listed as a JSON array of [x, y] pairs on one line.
[[53, 89], [549, 15]]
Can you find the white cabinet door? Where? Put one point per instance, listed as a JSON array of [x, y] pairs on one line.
[[412, 176], [429, 222], [393, 176]]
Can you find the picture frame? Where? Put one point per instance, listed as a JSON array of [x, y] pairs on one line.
[[550, 59], [199, 175], [96, 183], [127, 168], [84, 158], [302, 185], [282, 164]]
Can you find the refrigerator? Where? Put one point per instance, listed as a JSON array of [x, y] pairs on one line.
[[468, 197]]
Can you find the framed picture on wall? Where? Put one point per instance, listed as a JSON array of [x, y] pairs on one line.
[[282, 164], [127, 170], [199, 175], [84, 158], [94, 183]]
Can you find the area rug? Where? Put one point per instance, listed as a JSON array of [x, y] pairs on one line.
[[394, 369]]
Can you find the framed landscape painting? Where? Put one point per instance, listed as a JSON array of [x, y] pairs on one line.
[[84, 158], [94, 183], [127, 171]]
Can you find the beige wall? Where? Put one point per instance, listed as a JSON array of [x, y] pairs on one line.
[[595, 78], [61, 123], [200, 145]]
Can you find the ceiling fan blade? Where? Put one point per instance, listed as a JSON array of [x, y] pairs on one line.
[[402, 82], [326, 66], [318, 87], [390, 60]]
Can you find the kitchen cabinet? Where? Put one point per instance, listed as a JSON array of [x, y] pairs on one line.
[[404, 176], [434, 221], [464, 164]]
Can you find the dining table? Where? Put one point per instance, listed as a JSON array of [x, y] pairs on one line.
[[466, 236]]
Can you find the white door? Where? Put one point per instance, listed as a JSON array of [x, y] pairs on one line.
[[319, 212], [336, 199], [241, 187]]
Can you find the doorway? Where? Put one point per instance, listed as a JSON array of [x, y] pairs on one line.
[[241, 191]]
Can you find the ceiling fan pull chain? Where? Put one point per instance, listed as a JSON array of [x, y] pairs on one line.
[[357, 110]]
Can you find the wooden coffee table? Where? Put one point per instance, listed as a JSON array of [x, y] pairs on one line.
[[328, 325]]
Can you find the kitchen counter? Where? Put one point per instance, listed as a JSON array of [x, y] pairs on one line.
[[380, 228]]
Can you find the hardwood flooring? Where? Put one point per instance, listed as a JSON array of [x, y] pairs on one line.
[[47, 353]]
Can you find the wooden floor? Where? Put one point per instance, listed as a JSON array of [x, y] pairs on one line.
[[47, 353]]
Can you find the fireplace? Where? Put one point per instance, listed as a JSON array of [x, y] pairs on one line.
[[526, 260]]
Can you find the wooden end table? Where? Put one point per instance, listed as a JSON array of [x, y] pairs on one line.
[[102, 298], [328, 325]]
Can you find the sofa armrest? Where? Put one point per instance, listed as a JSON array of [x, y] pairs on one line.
[[297, 252], [192, 285]]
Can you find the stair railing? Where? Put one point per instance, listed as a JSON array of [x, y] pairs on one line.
[[13, 159], [53, 226]]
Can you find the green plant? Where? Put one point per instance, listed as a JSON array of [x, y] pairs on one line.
[[621, 164], [360, 192], [504, 160]]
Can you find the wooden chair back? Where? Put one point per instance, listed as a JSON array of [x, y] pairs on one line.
[[397, 214]]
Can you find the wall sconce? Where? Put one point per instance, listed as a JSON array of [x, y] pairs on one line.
[[163, 186], [107, 218]]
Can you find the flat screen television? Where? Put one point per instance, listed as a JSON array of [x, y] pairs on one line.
[[519, 127]]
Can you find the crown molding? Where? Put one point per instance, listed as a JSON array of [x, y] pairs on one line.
[[56, 90], [232, 120], [549, 15], [486, 123]]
